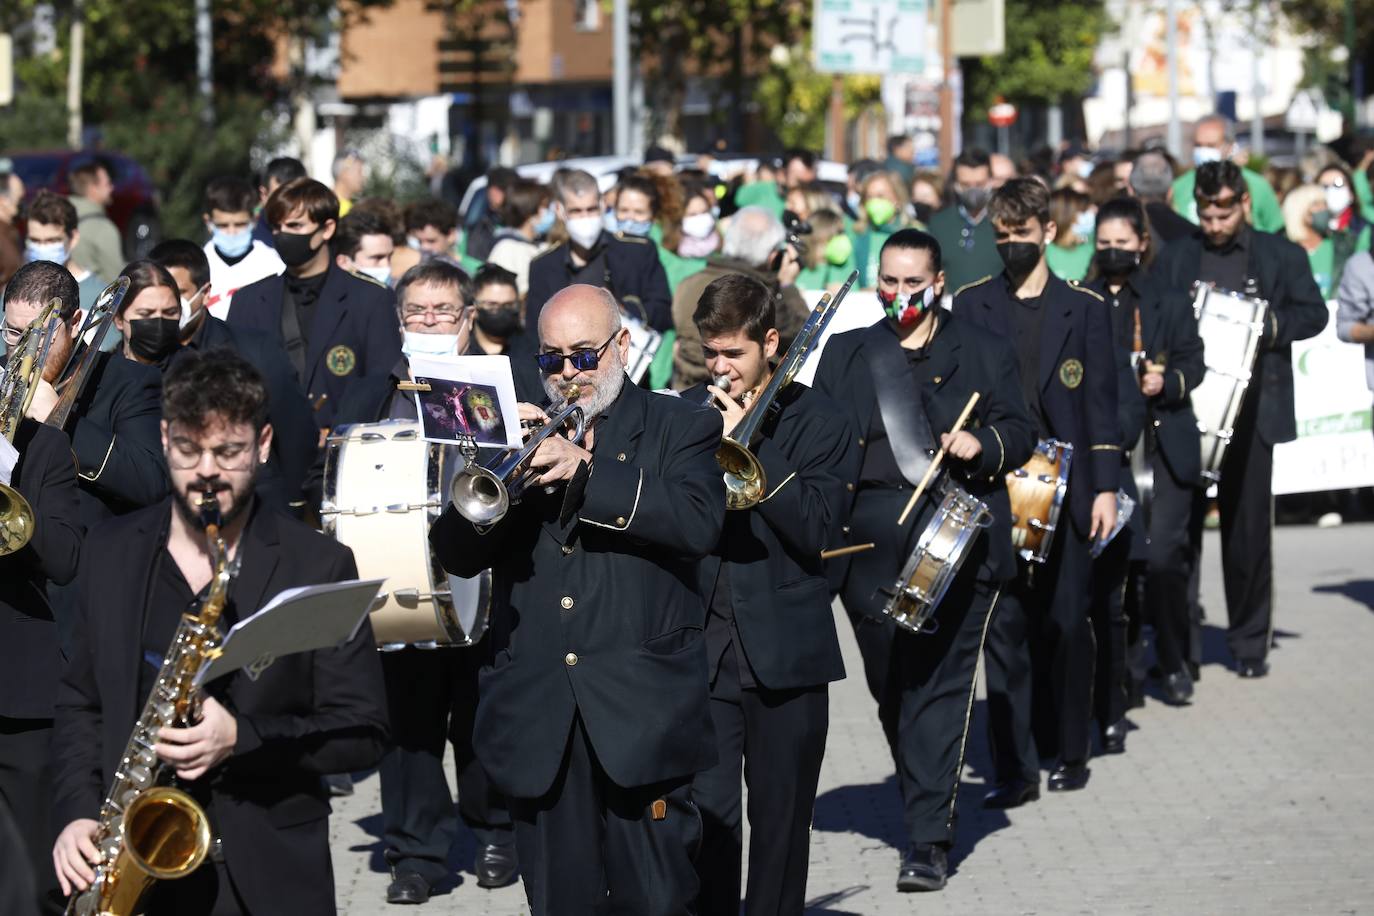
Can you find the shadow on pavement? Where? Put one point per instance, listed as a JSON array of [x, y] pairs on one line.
[[1361, 590], [460, 857], [820, 906]]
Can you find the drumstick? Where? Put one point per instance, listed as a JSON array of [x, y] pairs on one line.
[[846, 551], [935, 465]]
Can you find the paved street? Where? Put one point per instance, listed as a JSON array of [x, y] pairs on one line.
[[1256, 800]]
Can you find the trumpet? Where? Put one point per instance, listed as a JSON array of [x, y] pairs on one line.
[[23, 370], [483, 495], [745, 481]]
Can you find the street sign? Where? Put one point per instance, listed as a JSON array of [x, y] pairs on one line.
[[978, 28], [1304, 112], [1003, 114], [870, 36]]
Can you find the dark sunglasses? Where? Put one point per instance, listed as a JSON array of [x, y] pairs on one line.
[[584, 360]]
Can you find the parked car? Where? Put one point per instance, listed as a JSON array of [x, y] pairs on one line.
[[134, 207]]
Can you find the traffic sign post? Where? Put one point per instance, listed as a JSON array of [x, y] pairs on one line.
[[869, 36]]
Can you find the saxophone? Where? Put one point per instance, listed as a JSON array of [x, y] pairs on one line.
[[150, 830]]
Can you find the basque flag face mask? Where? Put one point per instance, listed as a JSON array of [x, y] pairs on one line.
[[910, 312]]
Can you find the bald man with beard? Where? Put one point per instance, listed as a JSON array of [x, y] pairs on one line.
[[593, 713]]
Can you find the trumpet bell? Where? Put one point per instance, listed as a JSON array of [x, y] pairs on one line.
[[479, 495], [745, 481], [16, 521]]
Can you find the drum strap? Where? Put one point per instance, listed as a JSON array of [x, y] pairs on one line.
[[902, 408]]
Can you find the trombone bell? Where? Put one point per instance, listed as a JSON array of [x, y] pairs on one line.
[[17, 520], [745, 481]]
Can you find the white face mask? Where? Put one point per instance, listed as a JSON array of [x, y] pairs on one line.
[[584, 230], [698, 225], [1338, 199], [417, 344], [1205, 154], [381, 274]]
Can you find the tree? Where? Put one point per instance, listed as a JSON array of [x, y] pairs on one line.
[[794, 100]]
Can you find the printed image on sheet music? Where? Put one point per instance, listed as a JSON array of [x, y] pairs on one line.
[[463, 398]]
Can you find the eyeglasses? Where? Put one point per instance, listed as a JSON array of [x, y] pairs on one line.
[[11, 335], [185, 456], [584, 360], [443, 314]]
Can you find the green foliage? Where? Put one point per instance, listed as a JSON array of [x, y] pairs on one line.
[[794, 99], [32, 122], [1049, 55]]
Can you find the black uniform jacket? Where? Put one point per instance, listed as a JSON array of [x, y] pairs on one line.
[[306, 715], [29, 660], [295, 438], [1296, 312], [1169, 333], [601, 615], [772, 553], [117, 438], [354, 332], [633, 274], [965, 359], [1078, 378]]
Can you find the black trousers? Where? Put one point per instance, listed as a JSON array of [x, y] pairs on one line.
[[431, 699], [1108, 613], [26, 789], [923, 684], [776, 740], [1245, 497], [1171, 560], [208, 891], [589, 846], [1041, 639]]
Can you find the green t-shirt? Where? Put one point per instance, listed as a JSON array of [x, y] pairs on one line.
[[1322, 259], [675, 265], [824, 276], [868, 246], [1264, 205], [1070, 263], [761, 194]]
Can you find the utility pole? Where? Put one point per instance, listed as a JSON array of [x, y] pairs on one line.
[[78, 36], [205, 61], [947, 125], [620, 81], [1256, 90], [1175, 135], [838, 129], [1352, 66]]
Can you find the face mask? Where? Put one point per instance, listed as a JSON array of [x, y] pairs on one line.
[[544, 223], [1019, 257], [48, 251], [381, 274], [1205, 154], [412, 243], [839, 250], [910, 312], [880, 210], [922, 212], [186, 313], [1085, 224], [584, 230], [715, 213], [974, 200], [153, 338], [609, 222], [698, 225], [1338, 199], [417, 344], [854, 201], [295, 248], [638, 227], [1116, 262], [498, 322], [232, 244], [1321, 222]]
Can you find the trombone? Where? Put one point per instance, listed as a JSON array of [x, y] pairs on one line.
[[23, 370], [72, 379], [745, 481], [483, 496]]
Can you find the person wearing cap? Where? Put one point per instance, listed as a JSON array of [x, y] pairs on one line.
[[658, 160]]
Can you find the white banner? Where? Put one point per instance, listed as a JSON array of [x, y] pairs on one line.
[[1335, 445]]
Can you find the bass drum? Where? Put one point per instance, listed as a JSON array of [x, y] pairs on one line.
[[383, 488]]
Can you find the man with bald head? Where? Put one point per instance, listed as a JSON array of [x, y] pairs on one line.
[[593, 713]]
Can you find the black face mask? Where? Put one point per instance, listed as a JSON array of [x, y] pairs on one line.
[[154, 339], [1116, 262], [294, 247], [500, 323], [1019, 257], [923, 212]]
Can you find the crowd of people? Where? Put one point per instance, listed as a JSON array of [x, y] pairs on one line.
[[649, 651]]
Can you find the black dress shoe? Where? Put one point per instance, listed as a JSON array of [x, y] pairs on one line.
[[339, 784], [407, 887], [1068, 777], [925, 868], [1114, 738], [1135, 695], [1012, 794], [496, 866], [1195, 671], [1252, 667], [1178, 689]]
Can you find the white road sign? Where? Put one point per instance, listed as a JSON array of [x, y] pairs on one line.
[[870, 36]]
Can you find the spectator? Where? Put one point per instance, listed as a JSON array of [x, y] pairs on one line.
[[11, 247], [798, 167], [526, 218], [659, 161], [485, 217], [1003, 170], [882, 197], [1214, 140], [236, 258], [1105, 182], [901, 157], [657, 199], [1355, 309], [433, 224], [1152, 178], [699, 227], [278, 172], [364, 245], [1301, 209], [805, 199], [967, 245], [927, 193], [1070, 253], [53, 235], [829, 256], [350, 176], [755, 244], [100, 248], [1343, 221]]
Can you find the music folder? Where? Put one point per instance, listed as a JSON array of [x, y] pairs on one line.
[[297, 620]]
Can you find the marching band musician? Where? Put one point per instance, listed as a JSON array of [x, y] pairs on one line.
[[905, 380], [770, 633], [255, 758], [29, 658], [1147, 318], [593, 713], [1227, 252], [1042, 633], [432, 694]]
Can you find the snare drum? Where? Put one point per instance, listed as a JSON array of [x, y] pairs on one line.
[[1230, 326], [383, 488], [934, 563], [1037, 491], [644, 344]]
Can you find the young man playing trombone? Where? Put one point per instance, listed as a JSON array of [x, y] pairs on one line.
[[770, 633]]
